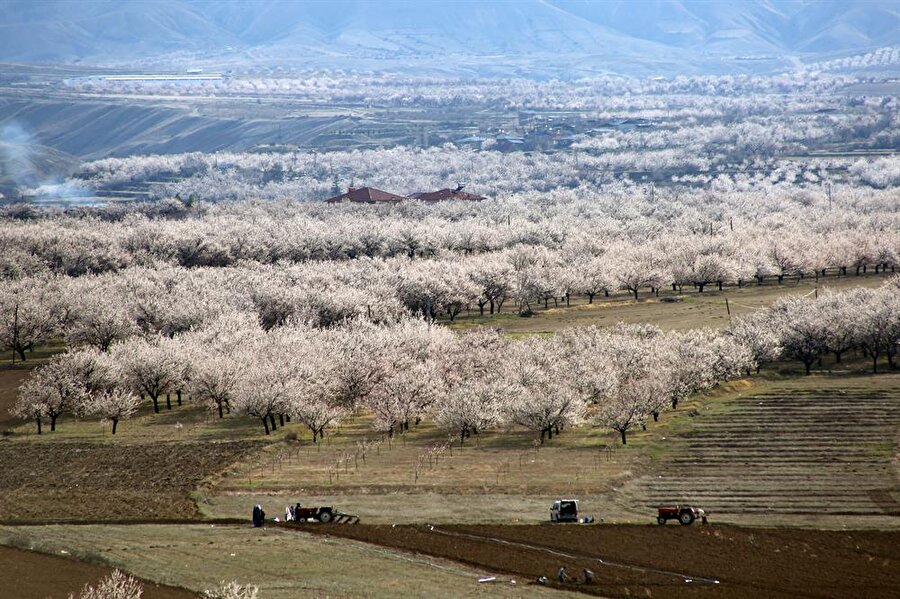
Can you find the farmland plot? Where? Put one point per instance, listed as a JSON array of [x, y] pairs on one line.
[[824, 451]]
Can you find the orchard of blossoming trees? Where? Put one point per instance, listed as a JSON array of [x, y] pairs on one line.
[[402, 370], [297, 310]]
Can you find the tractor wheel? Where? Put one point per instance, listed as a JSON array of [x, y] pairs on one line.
[[660, 520], [325, 517], [686, 518]]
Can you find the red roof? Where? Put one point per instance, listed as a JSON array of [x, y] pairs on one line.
[[447, 194], [366, 195]]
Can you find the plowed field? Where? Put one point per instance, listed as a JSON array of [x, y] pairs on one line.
[[92, 481], [818, 452], [670, 561]]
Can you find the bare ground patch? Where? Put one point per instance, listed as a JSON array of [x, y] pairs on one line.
[[92, 481]]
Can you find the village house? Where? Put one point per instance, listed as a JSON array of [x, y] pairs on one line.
[[446, 194], [366, 195]]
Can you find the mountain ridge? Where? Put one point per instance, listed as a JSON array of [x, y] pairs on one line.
[[357, 32]]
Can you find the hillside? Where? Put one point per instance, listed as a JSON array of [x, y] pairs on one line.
[[569, 35]]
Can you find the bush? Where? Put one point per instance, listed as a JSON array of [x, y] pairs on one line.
[[117, 585], [231, 590]]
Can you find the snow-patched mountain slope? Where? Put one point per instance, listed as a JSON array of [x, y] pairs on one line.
[[562, 30]]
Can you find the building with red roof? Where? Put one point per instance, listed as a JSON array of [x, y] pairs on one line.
[[443, 195], [366, 195]]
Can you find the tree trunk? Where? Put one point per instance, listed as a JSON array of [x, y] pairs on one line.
[[265, 424], [155, 400], [837, 357], [674, 402], [53, 418], [874, 363], [115, 422], [700, 287], [591, 297], [624, 440], [808, 364], [281, 419], [272, 422], [21, 351], [655, 415], [178, 396], [719, 283], [168, 401], [38, 419], [635, 294], [220, 411]]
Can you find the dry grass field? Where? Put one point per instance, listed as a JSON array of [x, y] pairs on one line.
[[669, 311], [817, 451], [284, 564]]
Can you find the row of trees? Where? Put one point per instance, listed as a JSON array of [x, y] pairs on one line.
[[406, 371], [861, 319], [400, 373], [99, 310], [753, 152], [605, 94]]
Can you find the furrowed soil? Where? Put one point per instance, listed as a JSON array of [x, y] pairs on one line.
[[66, 481], [39, 576], [801, 452], [662, 561]]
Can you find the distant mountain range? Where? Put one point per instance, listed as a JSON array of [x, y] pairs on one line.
[[455, 35]]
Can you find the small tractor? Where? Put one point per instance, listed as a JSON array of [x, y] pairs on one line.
[[324, 515], [564, 510], [685, 514]]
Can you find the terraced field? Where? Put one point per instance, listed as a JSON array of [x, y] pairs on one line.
[[828, 449]]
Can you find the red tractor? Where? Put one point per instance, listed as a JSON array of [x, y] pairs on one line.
[[685, 514]]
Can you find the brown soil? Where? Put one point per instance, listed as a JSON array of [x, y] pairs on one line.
[[670, 561], [90, 481], [30, 575], [10, 379]]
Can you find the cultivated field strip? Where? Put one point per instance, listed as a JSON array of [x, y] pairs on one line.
[[828, 451]]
